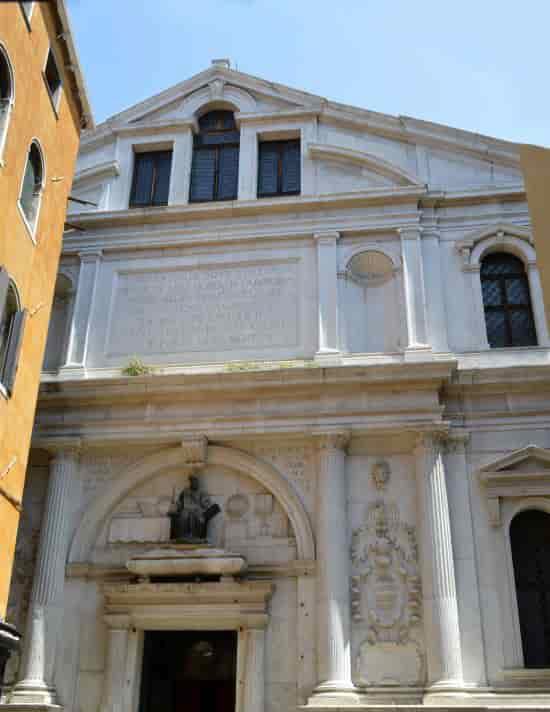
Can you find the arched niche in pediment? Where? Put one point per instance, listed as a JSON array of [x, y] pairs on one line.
[[217, 95], [264, 494]]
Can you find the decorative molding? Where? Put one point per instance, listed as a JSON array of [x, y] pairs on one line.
[[498, 236], [109, 169], [369, 161], [187, 606], [275, 117], [161, 126], [524, 473]]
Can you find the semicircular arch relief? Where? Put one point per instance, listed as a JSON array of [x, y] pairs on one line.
[[161, 462]]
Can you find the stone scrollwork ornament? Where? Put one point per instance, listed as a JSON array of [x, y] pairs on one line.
[[386, 596]]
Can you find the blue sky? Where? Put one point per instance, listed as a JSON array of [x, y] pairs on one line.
[[480, 65]]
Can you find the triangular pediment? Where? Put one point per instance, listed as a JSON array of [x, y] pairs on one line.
[[215, 86], [529, 459], [477, 159], [523, 473]]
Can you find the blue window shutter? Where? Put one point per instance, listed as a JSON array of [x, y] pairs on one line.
[[144, 167], [162, 178], [203, 171], [268, 162], [291, 167], [228, 172]]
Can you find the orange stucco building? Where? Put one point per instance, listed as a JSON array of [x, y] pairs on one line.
[[535, 163], [43, 107]]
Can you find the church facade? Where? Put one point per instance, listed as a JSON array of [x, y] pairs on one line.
[[293, 438]]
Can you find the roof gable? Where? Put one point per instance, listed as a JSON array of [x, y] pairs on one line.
[[247, 94]]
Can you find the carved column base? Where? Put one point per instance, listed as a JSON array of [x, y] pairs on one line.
[[10, 640], [334, 693], [33, 692]]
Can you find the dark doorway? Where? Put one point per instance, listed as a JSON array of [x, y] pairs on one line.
[[191, 671], [530, 539]]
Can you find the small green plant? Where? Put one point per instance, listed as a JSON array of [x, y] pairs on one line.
[[136, 367]]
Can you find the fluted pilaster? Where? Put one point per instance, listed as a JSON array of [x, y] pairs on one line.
[[333, 598], [115, 668], [46, 606], [255, 671], [439, 587]]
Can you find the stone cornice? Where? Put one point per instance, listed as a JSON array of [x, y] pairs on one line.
[[137, 413], [285, 115], [243, 208], [179, 225], [106, 572], [221, 381], [99, 172], [154, 128]]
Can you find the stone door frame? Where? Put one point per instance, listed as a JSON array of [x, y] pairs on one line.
[[132, 609]]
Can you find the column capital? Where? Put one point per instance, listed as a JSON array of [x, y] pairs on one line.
[[456, 441], [431, 439], [326, 238], [61, 446], [332, 440], [90, 254], [410, 232]]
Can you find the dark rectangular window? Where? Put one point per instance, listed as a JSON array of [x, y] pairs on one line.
[[151, 182], [214, 173], [53, 78], [279, 168], [215, 164]]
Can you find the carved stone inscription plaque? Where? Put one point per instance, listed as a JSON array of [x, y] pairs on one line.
[[226, 308]]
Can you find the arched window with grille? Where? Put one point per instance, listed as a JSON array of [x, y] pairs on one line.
[[506, 301], [6, 95], [215, 165], [12, 324], [31, 189], [530, 541]]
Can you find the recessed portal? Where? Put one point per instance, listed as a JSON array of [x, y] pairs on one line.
[[191, 671]]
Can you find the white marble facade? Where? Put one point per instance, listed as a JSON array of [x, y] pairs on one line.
[[321, 362]]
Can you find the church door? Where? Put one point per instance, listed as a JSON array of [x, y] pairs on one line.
[[530, 539], [191, 671]]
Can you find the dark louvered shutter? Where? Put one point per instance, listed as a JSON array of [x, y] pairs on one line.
[[14, 349], [203, 171], [4, 285], [228, 172], [290, 174], [268, 162], [144, 168], [162, 177]]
